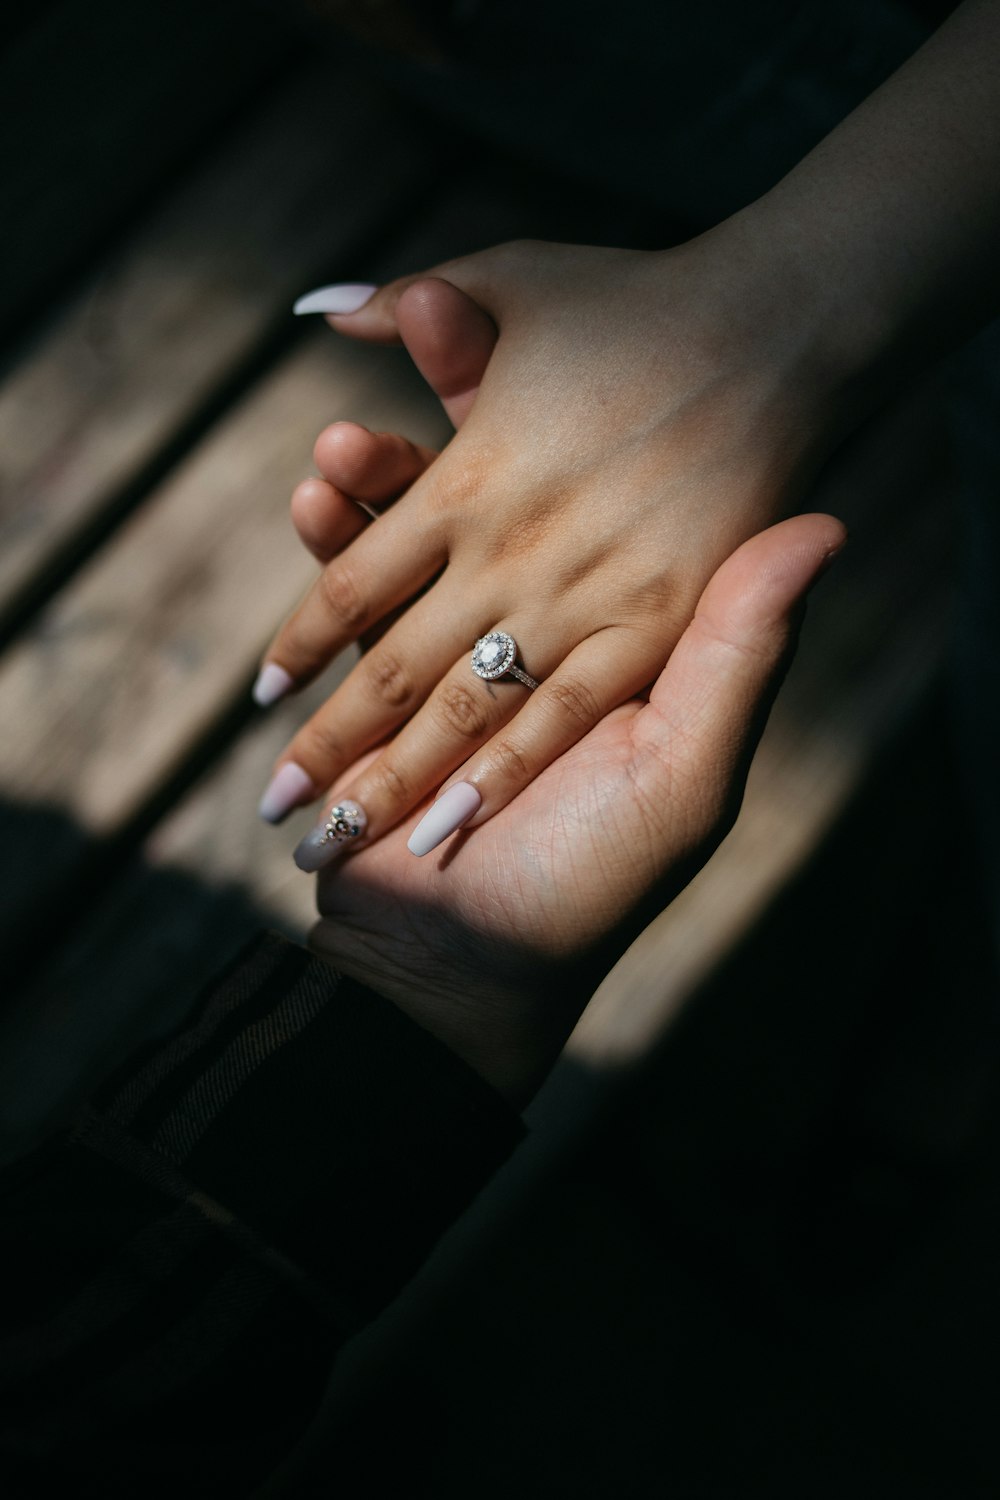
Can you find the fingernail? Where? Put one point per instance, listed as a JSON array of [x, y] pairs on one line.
[[342, 825], [449, 812], [345, 297], [289, 786], [829, 558], [272, 683]]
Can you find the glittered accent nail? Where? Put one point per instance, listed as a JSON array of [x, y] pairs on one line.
[[344, 823]]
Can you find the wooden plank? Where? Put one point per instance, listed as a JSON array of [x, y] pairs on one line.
[[184, 303], [101, 99], [134, 662]]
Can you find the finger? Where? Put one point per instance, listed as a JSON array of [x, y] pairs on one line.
[[385, 566], [364, 473], [325, 518], [488, 278], [364, 311], [387, 686], [448, 335], [693, 741], [594, 678], [461, 713], [701, 716], [370, 467], [450, 340]]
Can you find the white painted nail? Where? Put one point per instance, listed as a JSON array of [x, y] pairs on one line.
[[273, 682], [344, 823], [346, 297], [449, 812], [289, 786]]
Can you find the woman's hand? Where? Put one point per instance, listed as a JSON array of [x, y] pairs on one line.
[[496, 944], [637, 417], [640, 416]]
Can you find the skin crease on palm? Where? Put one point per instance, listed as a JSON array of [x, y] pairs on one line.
[[637, 417]]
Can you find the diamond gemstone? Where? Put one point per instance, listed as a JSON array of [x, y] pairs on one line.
[[493, 655]]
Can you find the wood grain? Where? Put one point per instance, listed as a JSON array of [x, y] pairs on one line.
[[185, 302], [135, 661]]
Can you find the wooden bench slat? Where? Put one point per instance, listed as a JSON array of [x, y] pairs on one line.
[[185, 301], [135, 659]]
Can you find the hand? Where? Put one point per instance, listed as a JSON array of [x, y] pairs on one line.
[[496, 944], [639, 417]]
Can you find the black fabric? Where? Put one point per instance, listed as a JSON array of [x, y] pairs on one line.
[[181, 1267]]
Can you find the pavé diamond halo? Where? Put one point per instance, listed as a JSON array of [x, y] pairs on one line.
[[495, 655]]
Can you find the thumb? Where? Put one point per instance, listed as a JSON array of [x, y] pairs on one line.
[[448, 335], [449, 338], [695, 738]]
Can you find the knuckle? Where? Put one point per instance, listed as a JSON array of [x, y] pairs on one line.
[[387, 785], [457, 492], [510, 762], [318, 745], [462, 711], [388, 679], [729, 641], [573, 700], [343, 598]]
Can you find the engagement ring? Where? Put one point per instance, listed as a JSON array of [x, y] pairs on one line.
[[495, 655]]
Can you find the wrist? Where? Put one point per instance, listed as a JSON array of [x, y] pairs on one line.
[[743, 329], [838, 326], [506, 1021]]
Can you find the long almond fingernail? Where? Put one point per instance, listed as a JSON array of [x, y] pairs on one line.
[[342, 825], [273, 682], [289, 786], [453, 808], [345, 297]]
